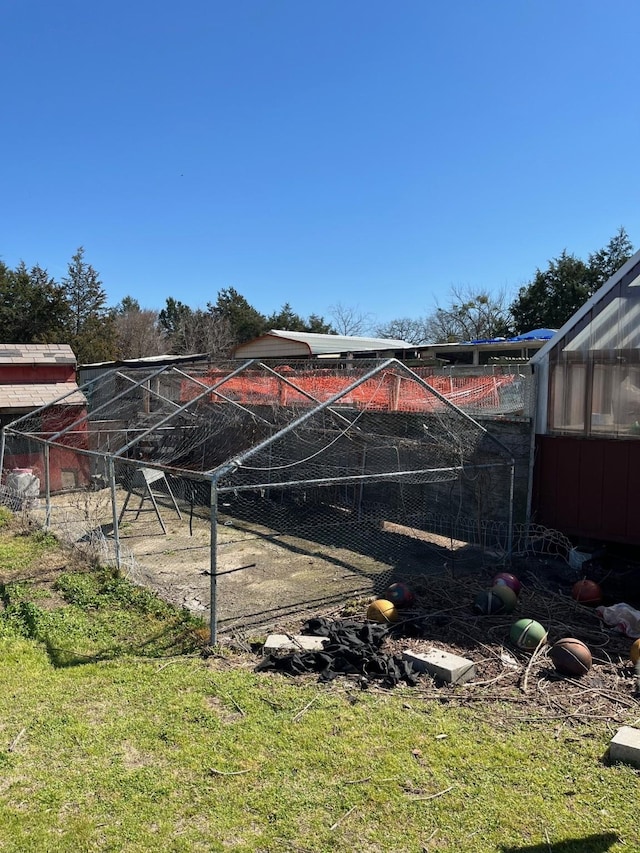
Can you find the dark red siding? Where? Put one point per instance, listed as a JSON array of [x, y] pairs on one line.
[[28, 374], [588, 487]]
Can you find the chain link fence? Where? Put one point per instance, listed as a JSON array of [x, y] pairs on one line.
[[253, 494]]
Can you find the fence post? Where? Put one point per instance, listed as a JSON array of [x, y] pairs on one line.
[[114, 510], [213, 564], [47, 488]]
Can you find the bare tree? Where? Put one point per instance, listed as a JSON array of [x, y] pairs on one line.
[[472, 315], [137, 331], [204, 331], [349, 320], [405, 329]]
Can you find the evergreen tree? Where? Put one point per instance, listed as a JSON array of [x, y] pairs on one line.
[[33, 308], [556, 293], [174, 320], [244, 320], [91, 330], [608, 261], [287, 320]]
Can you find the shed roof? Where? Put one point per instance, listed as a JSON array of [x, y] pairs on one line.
[[317, 344], [634, 261], [32, 396], [27, 354], [148, 361]]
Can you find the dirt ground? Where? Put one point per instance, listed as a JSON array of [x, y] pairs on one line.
[[266, 578]]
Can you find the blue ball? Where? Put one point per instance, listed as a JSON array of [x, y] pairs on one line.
[[400, 594]]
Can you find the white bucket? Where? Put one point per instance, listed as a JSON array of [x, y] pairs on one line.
[[25, 484]]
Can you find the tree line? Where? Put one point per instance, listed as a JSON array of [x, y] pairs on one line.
[[34, 308]]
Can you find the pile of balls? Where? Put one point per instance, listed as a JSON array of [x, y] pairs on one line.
[[569, 656], [501, 598], [395, 598]]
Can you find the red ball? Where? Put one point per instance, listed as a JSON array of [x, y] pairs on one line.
[[587, 592], [507, 579], [400, 594], [571, 657]]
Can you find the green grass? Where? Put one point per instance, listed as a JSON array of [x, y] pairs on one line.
[[116, 736]]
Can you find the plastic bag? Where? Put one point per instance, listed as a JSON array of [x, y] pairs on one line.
[[622, 617]]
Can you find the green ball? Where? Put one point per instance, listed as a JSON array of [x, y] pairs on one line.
[[486, 602], [507, 595], [527, 634]]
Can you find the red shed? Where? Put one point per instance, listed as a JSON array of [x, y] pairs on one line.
[[33, 376]]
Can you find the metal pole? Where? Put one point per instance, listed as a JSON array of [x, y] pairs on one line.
[[47, 488], [234, 464], [510, 530], [366, 478], [533, 425], [302, 391], [213, 565], [2, 444], [107, 405], [208, 390], [224, 396], [114, 509]]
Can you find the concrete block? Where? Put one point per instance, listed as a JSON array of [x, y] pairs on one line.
[[442, 665], [294, 643], [625, 746]]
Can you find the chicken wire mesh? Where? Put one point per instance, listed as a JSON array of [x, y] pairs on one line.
[[248, 492]]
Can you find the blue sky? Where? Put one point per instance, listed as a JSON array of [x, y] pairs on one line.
[[371, 154]]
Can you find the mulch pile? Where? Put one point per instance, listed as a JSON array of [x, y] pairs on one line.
[[443, 617]]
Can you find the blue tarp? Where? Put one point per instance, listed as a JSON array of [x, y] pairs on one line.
[[535, 335]]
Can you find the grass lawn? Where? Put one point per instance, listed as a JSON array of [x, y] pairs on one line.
[[118, 734]]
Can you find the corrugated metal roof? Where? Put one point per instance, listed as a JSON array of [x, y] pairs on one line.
[[318, 344], [32, 396], [543, 354], [151, 360], [17, 354]]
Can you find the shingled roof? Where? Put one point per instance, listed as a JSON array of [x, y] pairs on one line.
[[27, 354], [32, 396]]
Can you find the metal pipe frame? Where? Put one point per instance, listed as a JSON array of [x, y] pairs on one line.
[[233, 465], [302, 391], [114, 509], [213, 564], [184, 408], [110, 403], [228, 399], [359, 478]]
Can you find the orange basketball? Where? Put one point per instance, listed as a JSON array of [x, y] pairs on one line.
[[571, 657], [382, 610]]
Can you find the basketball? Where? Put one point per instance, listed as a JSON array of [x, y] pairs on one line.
[[571, 657], [382, 610], [509, 580], [487, 602], [587, 592], [527, 634], [399, 594], [507, 596], [634, 653]]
